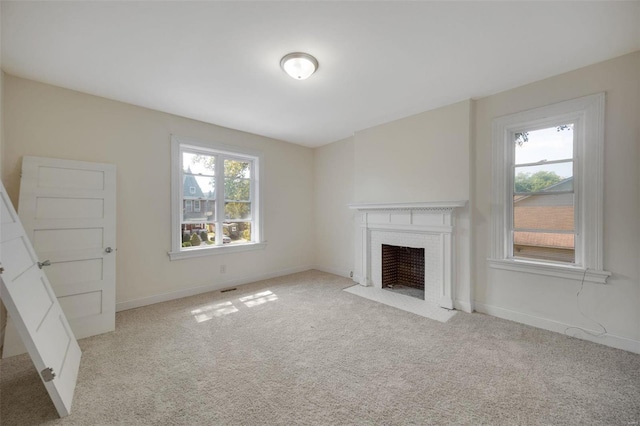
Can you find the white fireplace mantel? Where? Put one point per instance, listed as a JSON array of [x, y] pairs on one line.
[[428, 225], [425, 205]]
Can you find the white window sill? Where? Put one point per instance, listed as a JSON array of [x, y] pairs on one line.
[[559, 271], [214, 250]]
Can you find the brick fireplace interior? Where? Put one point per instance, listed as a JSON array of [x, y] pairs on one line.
[[403, 270]]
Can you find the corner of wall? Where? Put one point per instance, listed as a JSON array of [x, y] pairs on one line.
[[333, 221], [3, 311], [472, 198]]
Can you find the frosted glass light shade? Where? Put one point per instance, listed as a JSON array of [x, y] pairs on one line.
[[299, 65]]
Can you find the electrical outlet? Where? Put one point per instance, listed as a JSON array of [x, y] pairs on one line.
[[351, 274], [223, 269]]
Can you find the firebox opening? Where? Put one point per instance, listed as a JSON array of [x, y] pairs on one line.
[[403, 270]]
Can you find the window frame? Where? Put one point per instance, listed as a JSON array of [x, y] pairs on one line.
[[178, 144], [587, 115]]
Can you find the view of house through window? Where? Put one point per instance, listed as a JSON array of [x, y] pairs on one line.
[[543, 225], [206, 218]]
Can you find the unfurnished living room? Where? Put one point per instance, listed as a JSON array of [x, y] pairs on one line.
[[320, 212]]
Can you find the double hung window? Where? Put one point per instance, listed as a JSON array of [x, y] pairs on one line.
[[543, 212], [216, 199]]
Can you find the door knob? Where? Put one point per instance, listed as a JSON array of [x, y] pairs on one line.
[[108, 250]]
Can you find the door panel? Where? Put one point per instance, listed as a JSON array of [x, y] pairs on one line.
[[17, 254], [47, 240], [69, 208], [82, 305], [69, 176], [40, 299], [74, 272], [35, 312]]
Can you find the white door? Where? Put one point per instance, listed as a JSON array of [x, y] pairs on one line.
[[36, 314], [68, 211]]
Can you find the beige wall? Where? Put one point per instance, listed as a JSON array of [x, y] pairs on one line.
[[550, 302], [48, 121], [424, 157], [333, 191]]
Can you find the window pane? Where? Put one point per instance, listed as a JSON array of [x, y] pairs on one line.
[[237, 181], [553, 143], [198, 187], [545, 212], [237, 211], [237, 169], [194, 213], [198, 164], [544, 246], [197, 234], [546, 177], [238, 232], [237, 189]]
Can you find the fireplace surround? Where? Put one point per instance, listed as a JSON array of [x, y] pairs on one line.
[[427, 225]]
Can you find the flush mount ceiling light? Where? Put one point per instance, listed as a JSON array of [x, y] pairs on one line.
[[299, 65]]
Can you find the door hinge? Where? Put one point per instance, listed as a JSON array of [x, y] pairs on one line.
[[48, 374]]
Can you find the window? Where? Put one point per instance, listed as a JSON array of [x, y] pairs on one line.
[[547, 190], [208, 223], [543, 210]]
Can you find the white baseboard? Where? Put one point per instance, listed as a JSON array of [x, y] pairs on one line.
[[165, 297], [559, 327], [334, 271], [463, 306]]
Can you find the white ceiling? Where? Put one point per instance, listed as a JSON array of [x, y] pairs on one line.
[[218, 62]]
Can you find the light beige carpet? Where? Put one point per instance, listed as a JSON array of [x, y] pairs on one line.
[[299, 350]]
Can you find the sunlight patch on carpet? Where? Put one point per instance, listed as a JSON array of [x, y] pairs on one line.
[[208, 312], [258, 298], [405, 303]]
